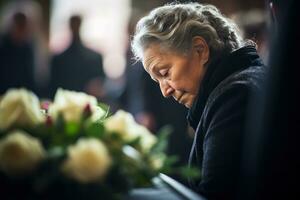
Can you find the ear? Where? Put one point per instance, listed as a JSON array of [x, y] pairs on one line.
[[200, 46]]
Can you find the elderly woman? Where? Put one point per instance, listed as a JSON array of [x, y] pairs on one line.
[[198, 57]]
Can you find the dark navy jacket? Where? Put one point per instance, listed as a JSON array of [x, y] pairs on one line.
[[218, 116]]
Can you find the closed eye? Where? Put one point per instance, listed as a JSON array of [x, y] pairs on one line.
[[163, 72]]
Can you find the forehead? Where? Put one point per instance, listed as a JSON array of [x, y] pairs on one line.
[[154, 50], [153, 54]]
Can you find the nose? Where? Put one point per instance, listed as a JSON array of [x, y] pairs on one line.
[[165, 88]]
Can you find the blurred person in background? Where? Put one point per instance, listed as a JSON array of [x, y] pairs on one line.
[[34, 37], [253, 25], [198, 57], [78, 67], [17, 55]]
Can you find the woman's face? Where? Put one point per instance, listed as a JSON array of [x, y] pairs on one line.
[[177, 75]]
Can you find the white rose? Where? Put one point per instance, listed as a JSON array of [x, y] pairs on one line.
[[147, 138], [124, 124], [157, 161], [20, 153], [71, 105], [120, 123], [20, 107], [87, 161]]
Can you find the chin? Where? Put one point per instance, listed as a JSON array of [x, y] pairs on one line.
[[189, 102], [188, 105]]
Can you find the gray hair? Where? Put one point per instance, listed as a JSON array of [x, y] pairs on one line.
[[173, 27]]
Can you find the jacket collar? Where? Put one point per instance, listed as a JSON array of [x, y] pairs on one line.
[[216, 72]]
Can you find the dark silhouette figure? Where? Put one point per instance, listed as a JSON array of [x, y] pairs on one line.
[[16, 55], [271, 169], [78, 67]]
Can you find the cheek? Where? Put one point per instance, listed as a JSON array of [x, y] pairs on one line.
[[188, 83], [181, 84], [180, 80]]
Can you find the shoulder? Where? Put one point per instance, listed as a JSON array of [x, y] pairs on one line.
[[246, 82], [91, 53], [233, 95], [60, 54]]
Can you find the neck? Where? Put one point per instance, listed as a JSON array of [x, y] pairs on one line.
[[76, 38]]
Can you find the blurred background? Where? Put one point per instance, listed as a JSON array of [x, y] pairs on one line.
[[83, 45]]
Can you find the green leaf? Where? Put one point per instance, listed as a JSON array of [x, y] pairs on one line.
[[60, 122], [115, 136], [162, 140], [72, 128], [95, 130], [168, 164], [135, 142], [165, 130], [56, 151], [190, 172], [106, 108]]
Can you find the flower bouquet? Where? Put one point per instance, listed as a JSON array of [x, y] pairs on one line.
[[73, 148]]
